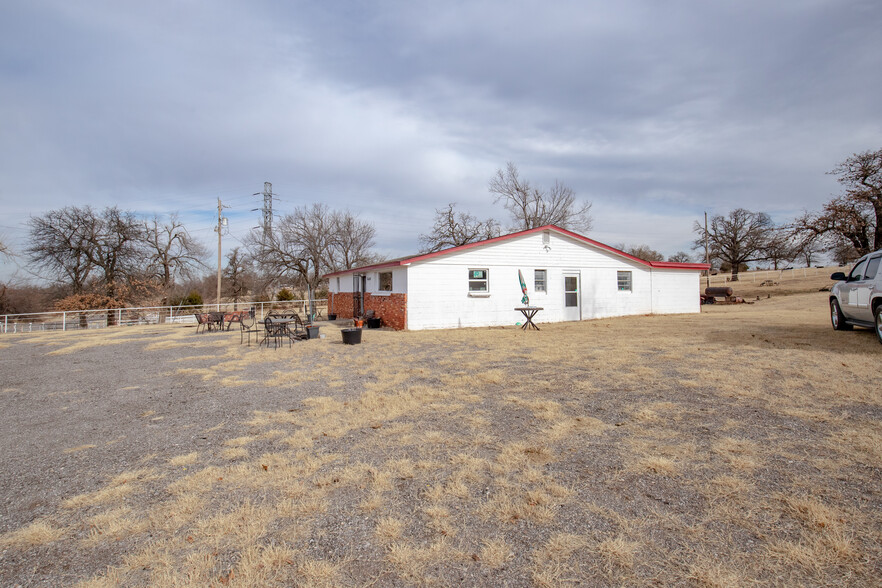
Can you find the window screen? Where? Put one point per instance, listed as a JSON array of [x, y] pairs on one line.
[[479, 280], [539, 277]]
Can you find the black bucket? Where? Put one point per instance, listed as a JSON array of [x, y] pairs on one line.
[[351, 336], [312, 332], [332, 316], [374, 323]]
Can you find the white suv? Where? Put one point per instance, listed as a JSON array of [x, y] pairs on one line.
[[856, 299]]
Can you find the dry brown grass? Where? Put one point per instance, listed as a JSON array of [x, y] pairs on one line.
[[739, 446], [38, 533]]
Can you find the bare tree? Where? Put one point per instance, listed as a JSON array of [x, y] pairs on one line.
[[806, 244], [310, 242], [842, 225], [644, 252], [351, 243], [680, 257], [300, 245], [737, 238], [59, 245], [532, 207], [844, 253], [115, 248], [453, 229], [850, 225], [172, 252], [781, 247], [861, 174], [80, 247]]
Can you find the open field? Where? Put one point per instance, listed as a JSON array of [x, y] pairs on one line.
[[737, 446], [796, 281]]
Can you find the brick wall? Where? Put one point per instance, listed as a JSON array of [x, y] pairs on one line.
[[341, 304], [392, 309]]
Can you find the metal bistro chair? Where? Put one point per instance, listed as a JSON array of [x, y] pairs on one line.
[[276, 331], [216, 321], [247, 325]]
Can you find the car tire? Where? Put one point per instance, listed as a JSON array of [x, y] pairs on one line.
[[878, 316], [837, 318]]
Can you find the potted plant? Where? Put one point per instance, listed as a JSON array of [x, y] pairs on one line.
[[351, 336]]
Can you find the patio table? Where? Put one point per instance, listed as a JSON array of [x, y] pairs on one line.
[[529, 312], [278, 328]]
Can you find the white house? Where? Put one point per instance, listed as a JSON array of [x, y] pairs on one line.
[[476, 285]]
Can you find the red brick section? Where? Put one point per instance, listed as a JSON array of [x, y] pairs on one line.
[[392, 309]]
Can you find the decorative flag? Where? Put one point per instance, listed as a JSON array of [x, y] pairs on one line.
[[526, 299]]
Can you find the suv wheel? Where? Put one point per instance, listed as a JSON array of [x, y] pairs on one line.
[[837, 318], [878, 316]]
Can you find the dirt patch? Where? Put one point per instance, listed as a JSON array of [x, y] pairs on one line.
[[737, 446]]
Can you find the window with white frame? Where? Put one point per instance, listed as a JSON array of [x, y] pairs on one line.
[[539, 280], [385, 282], [479, 281], [624, 280]]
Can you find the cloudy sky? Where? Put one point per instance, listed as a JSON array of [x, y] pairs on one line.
[[653, 111]]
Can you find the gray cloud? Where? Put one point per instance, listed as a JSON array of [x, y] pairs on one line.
[[654, 111]]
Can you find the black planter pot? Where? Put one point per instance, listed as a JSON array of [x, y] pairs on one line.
[[351, 336], [374, 323], [332, 316]]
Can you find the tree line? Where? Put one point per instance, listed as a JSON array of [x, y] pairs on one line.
[[112, 257], [846, 227]]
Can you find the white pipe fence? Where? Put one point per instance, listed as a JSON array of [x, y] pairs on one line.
[[780, 276], [146, 315]]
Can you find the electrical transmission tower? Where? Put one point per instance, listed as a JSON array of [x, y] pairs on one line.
[[267, 210]]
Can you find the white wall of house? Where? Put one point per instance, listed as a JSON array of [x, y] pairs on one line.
[[675, 291], [438, 294], [346, 282]]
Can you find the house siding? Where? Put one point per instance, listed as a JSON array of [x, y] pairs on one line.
[[438, 294], [435, 290]]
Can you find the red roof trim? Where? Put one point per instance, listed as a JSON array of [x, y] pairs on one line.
[[369, 267], [578, 237], [679, 265]]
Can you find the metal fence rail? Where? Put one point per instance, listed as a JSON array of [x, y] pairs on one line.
[[781, 276], [71, 320]]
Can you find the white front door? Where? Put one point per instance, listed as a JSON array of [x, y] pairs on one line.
[[572, 298]]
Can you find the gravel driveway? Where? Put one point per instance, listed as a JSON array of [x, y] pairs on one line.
[[711, 449]]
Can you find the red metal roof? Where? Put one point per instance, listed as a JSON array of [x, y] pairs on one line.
[[578, 237]]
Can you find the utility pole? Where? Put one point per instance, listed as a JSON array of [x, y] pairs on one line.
[[221, 223], [706, 252]]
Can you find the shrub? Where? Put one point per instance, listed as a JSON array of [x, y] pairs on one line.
[[284, 295], [194, 298]]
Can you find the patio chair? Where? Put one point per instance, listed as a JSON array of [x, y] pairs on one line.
[[277, 331], [248, 324], [201, 321], [200, 324], [216, 319]]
